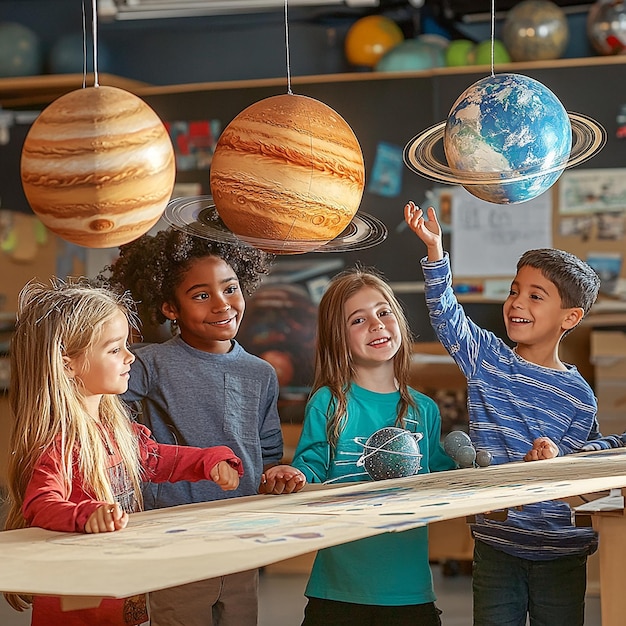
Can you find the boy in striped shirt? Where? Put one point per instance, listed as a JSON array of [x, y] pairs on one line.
[[533, 564]]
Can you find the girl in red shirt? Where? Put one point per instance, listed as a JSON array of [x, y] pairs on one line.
[[77, 461]]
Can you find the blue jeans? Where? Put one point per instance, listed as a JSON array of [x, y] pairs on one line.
[[508, 588]]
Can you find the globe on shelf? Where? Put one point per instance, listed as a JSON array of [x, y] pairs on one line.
[[20, 51], [513, 125], [70, 54], [535, 30], [369, 38], [606, 27], [391, 452]]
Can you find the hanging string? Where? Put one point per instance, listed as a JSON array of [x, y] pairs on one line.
[[94, 27], [84, 45], [287, 51], [493, 32]]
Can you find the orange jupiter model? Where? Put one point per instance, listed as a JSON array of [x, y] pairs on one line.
[[287, 169], [98, 167]]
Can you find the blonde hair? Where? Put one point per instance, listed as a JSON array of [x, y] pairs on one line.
[[334, 367], [63, 319]]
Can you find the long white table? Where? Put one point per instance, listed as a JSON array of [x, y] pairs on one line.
[[183, 544]]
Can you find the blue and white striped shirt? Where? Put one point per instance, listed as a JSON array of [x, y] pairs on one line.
[[511, 402]]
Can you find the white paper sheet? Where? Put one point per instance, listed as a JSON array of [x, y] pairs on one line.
[[488, 239]]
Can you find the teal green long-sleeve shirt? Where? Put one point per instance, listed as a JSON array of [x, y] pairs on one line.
[[386, 570]]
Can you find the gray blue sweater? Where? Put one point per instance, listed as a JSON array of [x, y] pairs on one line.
[[196, 398]]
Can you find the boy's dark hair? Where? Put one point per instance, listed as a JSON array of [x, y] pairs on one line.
[[578, 284], [151, 267]]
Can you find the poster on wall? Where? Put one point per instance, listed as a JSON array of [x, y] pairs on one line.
[[488, 239], [592, 191]]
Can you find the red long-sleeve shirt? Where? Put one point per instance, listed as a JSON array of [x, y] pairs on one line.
[[48, 504]]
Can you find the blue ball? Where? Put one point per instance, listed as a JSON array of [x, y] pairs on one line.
[[20, 51], [67, 55], [411, 55], [514, 131]]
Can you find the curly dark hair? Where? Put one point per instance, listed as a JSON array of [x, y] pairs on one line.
[[151, 267]]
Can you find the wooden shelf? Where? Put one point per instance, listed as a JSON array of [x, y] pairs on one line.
[[29, 91], [35, 91]]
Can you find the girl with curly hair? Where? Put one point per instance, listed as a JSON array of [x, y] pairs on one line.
[[201, 386]]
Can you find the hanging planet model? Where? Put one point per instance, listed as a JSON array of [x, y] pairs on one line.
[[98, 167], [287, 175], [507, 139]]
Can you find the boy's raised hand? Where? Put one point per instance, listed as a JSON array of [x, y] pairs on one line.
[[282, 479], [225, 475], [428, 231]]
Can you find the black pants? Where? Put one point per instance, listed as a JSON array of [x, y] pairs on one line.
[[320, 612]]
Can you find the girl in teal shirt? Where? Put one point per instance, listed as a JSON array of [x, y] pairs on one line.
[[361, 385]]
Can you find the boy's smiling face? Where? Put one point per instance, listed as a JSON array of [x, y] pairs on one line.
[[533, 313], [209, 305]]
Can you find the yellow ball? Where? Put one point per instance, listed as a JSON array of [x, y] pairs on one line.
[[369, 38], [98, 167], [287, 169]]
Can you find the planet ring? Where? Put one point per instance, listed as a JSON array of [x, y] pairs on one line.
[[198, 216], [588, 138]]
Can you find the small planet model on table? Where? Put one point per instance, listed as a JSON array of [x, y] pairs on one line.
[[458, 445], [391, 452]]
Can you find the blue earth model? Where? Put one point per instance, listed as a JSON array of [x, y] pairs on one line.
[[510, 136], [391, 453]]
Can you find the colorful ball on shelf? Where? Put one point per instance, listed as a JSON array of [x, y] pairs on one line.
[[369, 38], [459, 53], [411, 55], [287, 168], [20, 51], [485, 52], [535, 30], [98, 167], [69, 53], [606, 27]]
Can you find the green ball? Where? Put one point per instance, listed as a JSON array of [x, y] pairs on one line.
[[482, 53], [459, 52]]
